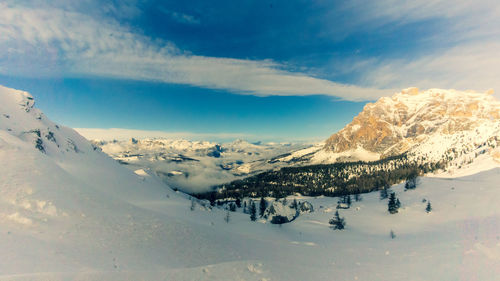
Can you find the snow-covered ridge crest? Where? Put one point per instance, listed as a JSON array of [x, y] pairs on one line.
[[396, 124], [22, 98], [53, 155], [19, 118]]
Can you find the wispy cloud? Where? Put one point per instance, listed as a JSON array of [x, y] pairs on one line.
[[471, 66], [40, 41], [465, 51], [184, 18], [57, 40], [181, 17]]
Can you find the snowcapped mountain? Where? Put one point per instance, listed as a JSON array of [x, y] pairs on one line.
[[446, 128], [431, 126], [70, 212], [393, 125], [194, 166]]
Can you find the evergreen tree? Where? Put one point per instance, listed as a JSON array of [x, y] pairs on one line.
[[295, 205], [333, 180], [253, 211], [357, 197], [262, 206], [238, 202], [392, 234], [245, 207], [337, 222], [232, 207], [192, 204], [212, 199], [344, 202], [428, 209], [278, 219], [384, 193], [412, 180], [392, 205]]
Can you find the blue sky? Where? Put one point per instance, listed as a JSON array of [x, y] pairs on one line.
[[271, 70]]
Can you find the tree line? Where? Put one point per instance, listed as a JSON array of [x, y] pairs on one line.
[[333, 180]]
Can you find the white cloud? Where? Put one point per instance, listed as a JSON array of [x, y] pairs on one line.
[[47, 42], [462, 53], [461, 19], [181, 17], [472, 66]]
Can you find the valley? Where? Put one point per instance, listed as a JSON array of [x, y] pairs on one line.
[[69, 211]]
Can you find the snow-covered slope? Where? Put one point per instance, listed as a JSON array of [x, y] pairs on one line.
[[69, 212]]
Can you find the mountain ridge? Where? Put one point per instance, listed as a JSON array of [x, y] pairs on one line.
[[427, 125], [393, 125]]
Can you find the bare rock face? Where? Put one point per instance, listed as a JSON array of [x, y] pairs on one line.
[[393, 125]]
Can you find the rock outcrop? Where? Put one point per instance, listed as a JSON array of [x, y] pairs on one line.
[[393, 125]]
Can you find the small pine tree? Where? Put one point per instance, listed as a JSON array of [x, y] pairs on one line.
[[384, 194], [337, 222], [279, 220], [392, 234], [192, 204], [232, 207], [428, 209], [357, 197], [295, 205], [212, 199], [411, 180], [262, 206], [245, 207], [253, 211], [227, 217], [344, 202], [238, 202], [392, 206]]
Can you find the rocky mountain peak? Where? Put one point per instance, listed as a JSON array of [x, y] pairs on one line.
[[393, 125]]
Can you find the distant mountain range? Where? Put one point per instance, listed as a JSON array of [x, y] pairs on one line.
[[448, 129], [195, 166]]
